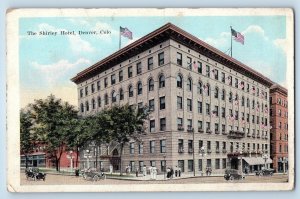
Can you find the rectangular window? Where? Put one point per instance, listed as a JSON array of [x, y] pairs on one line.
[[223, 128], [152, 146], [207, 109], [190, 146], [207, 71], [162, 124], [162, 104], [179, 123], [207, 126], [179, 102], [180, 146], [98, 85], [208, 163], [163, 166], [141, 165], [93, 88], [152, 163], [189, 63], [216, 73], [190, 165], [81, 92], [129, 71], [131, 148], [179, 58], [223, 112], [248, 88], [189, 124], [223, 77], [224, 163], [199, 67], [162, 146], [236, 83], [86, 91], [151, 105], [200, 125], [120, 75], [105, 82], [139, 68], [236, 115], [199, 107], [189, 104], [113, 79], [217, 166], [141, 148], [161, 58], [200, 166], [150, 63], [216, 111], [216, 128], [152, 126]]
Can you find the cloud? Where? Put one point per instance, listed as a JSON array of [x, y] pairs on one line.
[[221, 41], [130, 41], [281, 44], [53, 72], [66, 93], [79, 45], [256, 30]]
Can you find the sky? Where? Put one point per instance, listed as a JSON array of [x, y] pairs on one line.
[[47, 62]]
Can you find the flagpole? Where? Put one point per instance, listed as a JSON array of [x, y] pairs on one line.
[[120, 39], [231, 41]]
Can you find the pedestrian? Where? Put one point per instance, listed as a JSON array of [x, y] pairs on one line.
[[154, 170], [151, 172], [110, 169], [172, 173], [179, 171], [207, 171], [129, 169], [137, 172], [144, 170], [168, 173], [176, 171]]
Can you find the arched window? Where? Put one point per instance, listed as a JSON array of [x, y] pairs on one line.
[[248, 102], [199, 88], [113, 96], [208, 90], [216, 92], [230, 97], [179, 81], [87, 106], [106, 99], [121, 94], [223, 94], [140, 88], [161, 81], [130, 91], [189, 84], [93, 104], [99, 101], [151, 84], [81, 107]]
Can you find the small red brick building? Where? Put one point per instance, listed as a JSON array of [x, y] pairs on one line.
[[279, 131]]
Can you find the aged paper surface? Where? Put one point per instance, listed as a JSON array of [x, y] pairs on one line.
[[64, 51]]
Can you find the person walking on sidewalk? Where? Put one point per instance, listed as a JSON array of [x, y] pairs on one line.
[[172, 173], [144, 170], [137, 172], [176, 171], [179, 171]]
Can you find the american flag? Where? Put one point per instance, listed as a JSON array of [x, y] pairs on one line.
[[125, 32], [237, 36]]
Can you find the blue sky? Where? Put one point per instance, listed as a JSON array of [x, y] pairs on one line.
[[48, 62]]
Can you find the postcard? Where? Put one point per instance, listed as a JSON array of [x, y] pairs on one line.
[[127, 100]]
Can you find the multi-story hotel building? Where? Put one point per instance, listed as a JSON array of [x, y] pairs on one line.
[[209, 110], [279, 131]]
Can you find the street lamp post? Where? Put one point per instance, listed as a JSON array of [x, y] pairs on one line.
[[265, 157], [165, 167], [194, 151], [71, 160], [202, 152], [87, 158]]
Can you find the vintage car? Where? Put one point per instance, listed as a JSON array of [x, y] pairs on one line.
[[233, 174], [265, 172], [93, 175], [35, 174]]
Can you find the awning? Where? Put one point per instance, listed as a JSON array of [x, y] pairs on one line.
[[257, 160]]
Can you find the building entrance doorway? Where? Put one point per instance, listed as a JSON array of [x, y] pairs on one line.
[[234, 163]]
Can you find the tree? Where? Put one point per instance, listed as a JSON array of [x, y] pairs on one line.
[[53, 120], [123, 123], [27, 137]]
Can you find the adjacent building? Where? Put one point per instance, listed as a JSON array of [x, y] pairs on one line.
[[279, 131], [210, 111]]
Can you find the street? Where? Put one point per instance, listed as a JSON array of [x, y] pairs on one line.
[[52, 179]]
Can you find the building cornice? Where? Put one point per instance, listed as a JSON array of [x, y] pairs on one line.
[[170, 31], [276, 88]]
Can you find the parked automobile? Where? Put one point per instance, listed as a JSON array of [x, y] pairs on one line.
[[35, 174], [233, 174], [265, 172], [93, 175]]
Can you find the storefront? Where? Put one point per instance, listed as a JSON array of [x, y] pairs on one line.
[[252, 164], [34, 160]]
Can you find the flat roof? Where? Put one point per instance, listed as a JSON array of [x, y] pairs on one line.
[[170, 31]]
